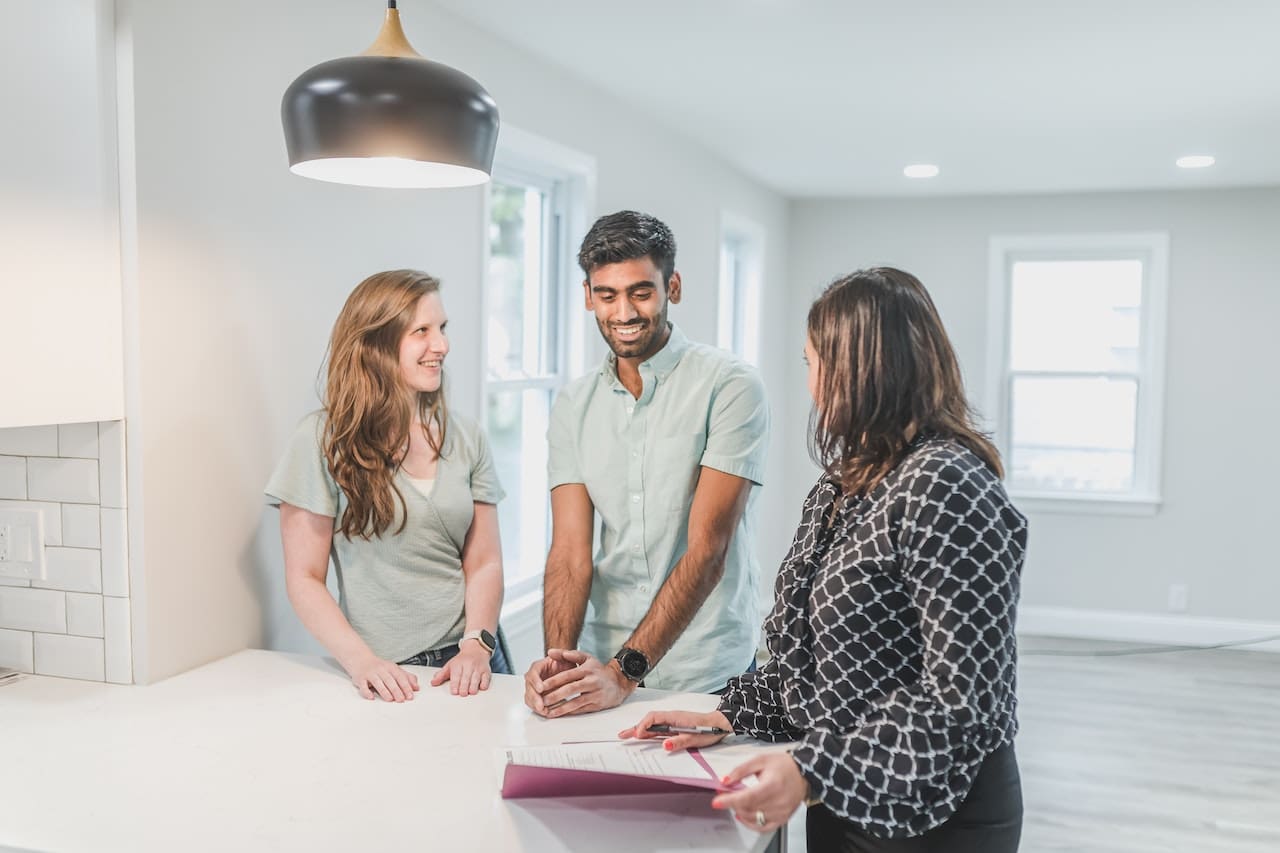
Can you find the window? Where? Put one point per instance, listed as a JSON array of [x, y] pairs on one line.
[[741, 265], [1077, 368], [536, 209]]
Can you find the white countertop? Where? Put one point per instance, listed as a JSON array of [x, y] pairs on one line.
[[269, 751]]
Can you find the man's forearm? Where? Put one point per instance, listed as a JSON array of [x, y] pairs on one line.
[[718, 504], [566, 586], [679, 599]]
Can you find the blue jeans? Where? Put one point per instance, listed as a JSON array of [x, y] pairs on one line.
[[439, 657]]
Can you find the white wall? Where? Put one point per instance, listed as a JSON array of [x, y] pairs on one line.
[[60, 333], [241, 268], [1222, 399]]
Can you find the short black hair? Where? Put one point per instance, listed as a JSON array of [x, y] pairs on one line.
[[625, 236]]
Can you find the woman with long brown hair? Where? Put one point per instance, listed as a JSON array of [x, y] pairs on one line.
[[401, 494], [892, 652]]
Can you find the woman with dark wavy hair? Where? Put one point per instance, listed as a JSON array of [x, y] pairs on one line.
[[402, 495], [892, 653]]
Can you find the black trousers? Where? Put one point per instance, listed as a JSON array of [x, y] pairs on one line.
[[988, 821]]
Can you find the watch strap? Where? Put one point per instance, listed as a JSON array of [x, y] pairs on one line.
[[481, 636]]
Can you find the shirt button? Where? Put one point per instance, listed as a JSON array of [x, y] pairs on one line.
[[630, 409], [635, 549], [635, 499], [635, 453], [643, 588]]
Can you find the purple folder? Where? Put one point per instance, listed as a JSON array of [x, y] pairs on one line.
[[522, 781]]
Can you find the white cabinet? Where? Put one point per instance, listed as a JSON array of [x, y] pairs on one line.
[[60, 296]]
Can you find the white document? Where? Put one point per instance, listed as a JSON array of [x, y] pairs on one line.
[[727, 755], [633, 758]]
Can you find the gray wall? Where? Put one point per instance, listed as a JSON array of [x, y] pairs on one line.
[[1220, 462]]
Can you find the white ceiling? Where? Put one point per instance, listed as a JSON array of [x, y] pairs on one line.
[[833, 98]]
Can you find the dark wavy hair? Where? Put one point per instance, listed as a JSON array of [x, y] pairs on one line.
[[625, 236], [369, 409], [887, 374]]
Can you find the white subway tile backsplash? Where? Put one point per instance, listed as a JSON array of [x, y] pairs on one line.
[[111, 459], [71, 570], [115, 552], [119, 641], [84, 614], [29, 441], [75, 622], [67, 480], [70, 657], [16, 650], [52, 517], [33, 609], [80, 526], [13, 477], [78, 440]]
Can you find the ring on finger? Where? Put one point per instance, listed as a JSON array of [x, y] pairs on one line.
[[760, 821]]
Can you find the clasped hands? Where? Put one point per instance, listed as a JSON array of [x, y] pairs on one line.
[[568, 681]]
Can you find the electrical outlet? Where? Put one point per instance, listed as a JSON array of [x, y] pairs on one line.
[[22, 544], [1177, 598]]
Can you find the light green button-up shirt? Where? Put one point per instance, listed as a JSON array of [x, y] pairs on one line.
[[639, 460]]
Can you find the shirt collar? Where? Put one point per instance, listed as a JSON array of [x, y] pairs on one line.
[[660, 363]]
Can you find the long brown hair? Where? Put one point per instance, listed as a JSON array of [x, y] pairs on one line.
[[369, 409], [887, 374]]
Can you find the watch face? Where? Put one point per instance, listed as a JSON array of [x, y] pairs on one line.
[[634, 664], [488, 640]]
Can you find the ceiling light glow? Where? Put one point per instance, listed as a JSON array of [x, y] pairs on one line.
[[1195, 161], [921, 170]]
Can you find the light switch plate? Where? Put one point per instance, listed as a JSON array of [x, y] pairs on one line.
[[22, 544]]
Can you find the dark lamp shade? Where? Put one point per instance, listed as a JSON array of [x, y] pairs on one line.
[[389, 121]]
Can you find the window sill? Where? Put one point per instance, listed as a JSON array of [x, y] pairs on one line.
[[1131, 505]]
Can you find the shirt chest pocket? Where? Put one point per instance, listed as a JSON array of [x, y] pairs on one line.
[[671, 471]]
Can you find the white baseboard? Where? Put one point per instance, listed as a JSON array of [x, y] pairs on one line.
[[1157, 628]]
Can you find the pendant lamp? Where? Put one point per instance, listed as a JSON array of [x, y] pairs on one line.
[[389, 118]]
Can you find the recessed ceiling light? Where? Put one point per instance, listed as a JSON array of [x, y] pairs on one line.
[[921, 170], [1195, 161]]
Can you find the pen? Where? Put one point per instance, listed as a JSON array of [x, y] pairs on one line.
[[664, 729]]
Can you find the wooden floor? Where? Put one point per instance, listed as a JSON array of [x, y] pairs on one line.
[[1175, 752]]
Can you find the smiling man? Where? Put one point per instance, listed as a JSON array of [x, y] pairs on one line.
[[664, 443]]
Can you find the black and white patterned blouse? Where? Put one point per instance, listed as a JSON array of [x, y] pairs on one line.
[[892, 652]]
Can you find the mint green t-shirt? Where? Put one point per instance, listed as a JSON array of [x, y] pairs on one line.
[[402, 592]]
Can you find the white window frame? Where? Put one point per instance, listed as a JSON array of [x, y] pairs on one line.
[[527, 159], [1152, 248], [738, 309]]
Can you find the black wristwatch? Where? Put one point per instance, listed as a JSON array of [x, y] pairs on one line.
[[633, 662]]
